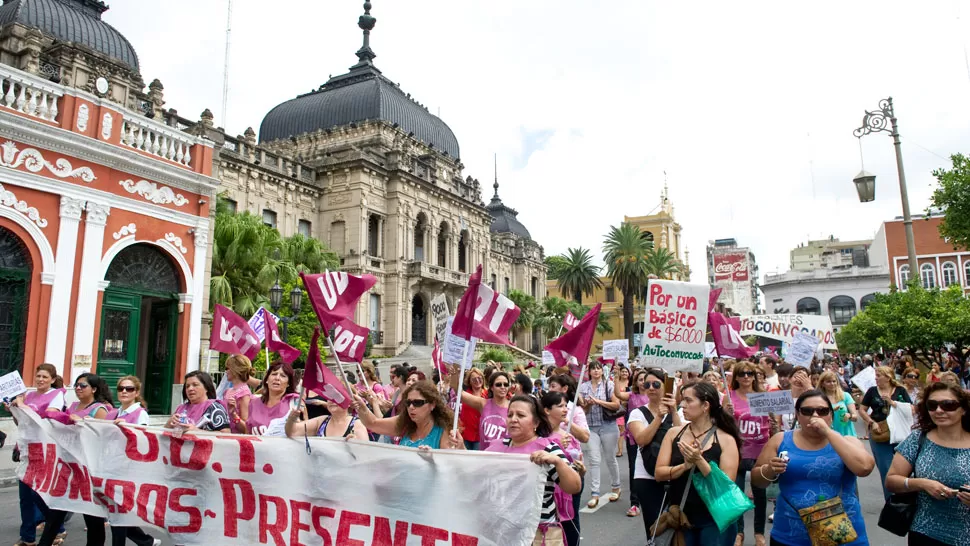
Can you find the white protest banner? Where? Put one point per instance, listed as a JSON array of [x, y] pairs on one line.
[[205, 489], [777, 402], [454, 349], [710, 350], [866, 379], [783, 327], [617, 350], [802, 349], [258, 323], [439, 311], [547, 358], [11, 386], [676, 325]]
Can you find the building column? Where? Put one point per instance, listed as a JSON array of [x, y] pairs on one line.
[[88, 285], [60, 306], [195, 291]]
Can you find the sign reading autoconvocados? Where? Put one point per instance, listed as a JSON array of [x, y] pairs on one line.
[[784, 327]]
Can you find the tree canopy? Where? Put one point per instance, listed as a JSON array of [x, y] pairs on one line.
[[952, 195], [576, 273]]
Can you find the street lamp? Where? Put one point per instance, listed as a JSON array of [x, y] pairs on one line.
[[874, 122], [276, 300]]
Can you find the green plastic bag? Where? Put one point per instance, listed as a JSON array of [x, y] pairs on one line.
[[724, 499]]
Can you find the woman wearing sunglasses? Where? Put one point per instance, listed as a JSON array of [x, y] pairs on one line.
[[811, 464], [494, 409], [875, 406], [911, 382], [338, 423], [424, 420], [935, 461]]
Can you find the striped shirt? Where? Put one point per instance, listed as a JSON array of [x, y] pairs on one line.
[[549, 512], [603, 391]]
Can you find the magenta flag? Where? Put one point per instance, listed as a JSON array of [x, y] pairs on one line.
[[576, 342], [350, 341], [319, 379], [569, 321], [274, 343], [483, 313], [712, 299], [232, 334], [334, 294], [436, 358], [727, 338]]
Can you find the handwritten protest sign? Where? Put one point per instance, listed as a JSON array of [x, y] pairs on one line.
[[11, 386], [617, 350], [783, 327], [232, 490], [676, 324], [439, 310], [548, 358], [777, 402], [802, 349], [454, 348], [865, 380]]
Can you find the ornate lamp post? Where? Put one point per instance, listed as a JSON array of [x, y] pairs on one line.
[[874, 122], [296, 302]]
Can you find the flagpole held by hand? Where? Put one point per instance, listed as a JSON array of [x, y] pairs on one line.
[[465, 361], [363, 378], [572, 411], [340, 366]]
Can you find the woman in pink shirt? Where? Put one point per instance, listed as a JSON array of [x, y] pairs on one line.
[[494, 409], [237, 398], [275, 401]]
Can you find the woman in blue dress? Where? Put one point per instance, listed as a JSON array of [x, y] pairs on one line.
[[812, 463], [423, 419]]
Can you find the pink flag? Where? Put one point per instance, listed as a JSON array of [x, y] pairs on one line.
[[334, 294], [483, 313], [273, 342], [728, 341], [569, 321], [576, 342], [436, 355], [231, 334], [350, 341], [319, 379], [712, 299]]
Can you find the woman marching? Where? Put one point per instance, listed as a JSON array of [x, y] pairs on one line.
[[201, 410], [277, 396], [469, 417], [528, 434], [237, 398], [555, 408], [338, 424], [597, 397], [875, 406], [845, 412], [494, 408], [634, 396], [425, 421]]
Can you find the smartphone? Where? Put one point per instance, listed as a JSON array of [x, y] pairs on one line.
[[669, 385], [965, 489]]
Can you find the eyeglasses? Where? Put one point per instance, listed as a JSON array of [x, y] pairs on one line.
[[912, 377], [127, 389], [821, 412], [500, 385], [945, 405], [81, 386], [745, 374], [653, 384], [415, 403]]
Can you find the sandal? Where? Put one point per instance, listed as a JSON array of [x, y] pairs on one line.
[[593, 502], [759, 540], [615, 495], [633, 512], [22, 543], [739, 541]]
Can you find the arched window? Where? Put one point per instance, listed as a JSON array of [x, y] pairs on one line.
[[15, 272], [463, 251], [443, 245], [841, 309], [903, 276], [648, 237], [420, 229], [374, 235], [950, 275], [808, 306], [927, 276], [866, 300]]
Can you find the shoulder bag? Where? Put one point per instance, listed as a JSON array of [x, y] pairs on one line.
[[899, 511], [673, 521], [651, 451], [609, 415], [826, 522]]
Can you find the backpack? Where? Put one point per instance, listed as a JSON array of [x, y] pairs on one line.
[[651, 451]]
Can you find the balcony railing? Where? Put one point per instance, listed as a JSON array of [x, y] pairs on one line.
[[28, 95], [156, 139], [434, 272]]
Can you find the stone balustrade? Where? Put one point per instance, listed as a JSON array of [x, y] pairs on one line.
[[156, 139], [28, 94]]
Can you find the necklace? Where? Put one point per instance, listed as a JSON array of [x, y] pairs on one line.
[[697, 437]]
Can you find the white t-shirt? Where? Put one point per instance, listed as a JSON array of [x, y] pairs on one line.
[[57, 402], [142, 418], [639, 471], [772, 381]]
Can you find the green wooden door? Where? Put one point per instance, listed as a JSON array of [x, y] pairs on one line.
[[118, 349], [161, 356]]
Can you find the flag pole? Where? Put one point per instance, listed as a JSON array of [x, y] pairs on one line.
[[461, 380], [343, 375], [572, 411], [363, 378]]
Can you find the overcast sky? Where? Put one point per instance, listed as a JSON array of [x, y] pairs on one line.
[[749, 107]]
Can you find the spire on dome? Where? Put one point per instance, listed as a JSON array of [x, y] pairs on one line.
[[495, 185], [366, 23]]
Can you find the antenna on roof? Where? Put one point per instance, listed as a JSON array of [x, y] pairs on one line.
[[225, 67]]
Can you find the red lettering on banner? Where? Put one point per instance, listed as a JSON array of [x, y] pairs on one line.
[[463, 540], [62, 477], [127, 495], [201, 452], [247, 452], [161, 498], [276, 528], [296, 524], [429, 535], [382, 533], [40, 467], [233, 512], [657, 296], [349, 519], [317, 514], [175, 505], [80, 483], [131, 445]]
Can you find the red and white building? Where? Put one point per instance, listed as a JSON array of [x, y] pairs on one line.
[[104, 212], [940, 263]]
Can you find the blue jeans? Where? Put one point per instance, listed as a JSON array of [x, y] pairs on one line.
[[707, 534], [472, 446], [33, 511], [883, 452]]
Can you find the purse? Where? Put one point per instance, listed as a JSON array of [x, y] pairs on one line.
[[899, 511], [723, 498], [879, 432], [674, 520], [827, 523]]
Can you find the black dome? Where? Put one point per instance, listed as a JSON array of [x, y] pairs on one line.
[[505, 219], [77, 21], [360, 95]]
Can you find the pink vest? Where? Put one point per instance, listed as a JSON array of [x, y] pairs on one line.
[[492, 424], [39, 402], [755, 431], [130, 418], [260, 415]]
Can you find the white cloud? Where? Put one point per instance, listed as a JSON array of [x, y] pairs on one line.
[[741, 104]]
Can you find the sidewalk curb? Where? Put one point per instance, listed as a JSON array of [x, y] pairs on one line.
[[8, 480]]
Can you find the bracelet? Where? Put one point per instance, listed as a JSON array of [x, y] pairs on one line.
[[761, 469], [906, 484]]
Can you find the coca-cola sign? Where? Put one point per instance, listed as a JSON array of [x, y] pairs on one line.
[[731, 266]]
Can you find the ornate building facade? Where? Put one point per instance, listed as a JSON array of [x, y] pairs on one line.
[[104, 211]]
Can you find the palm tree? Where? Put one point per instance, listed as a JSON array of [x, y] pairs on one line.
[[625, 251], [241, 270], [549, 314], [527, 306], [662, 263], [577, 274]]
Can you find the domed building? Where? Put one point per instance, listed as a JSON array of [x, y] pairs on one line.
[[362, 166]]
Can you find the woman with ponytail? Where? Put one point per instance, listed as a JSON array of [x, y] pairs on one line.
[[236, 399]]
